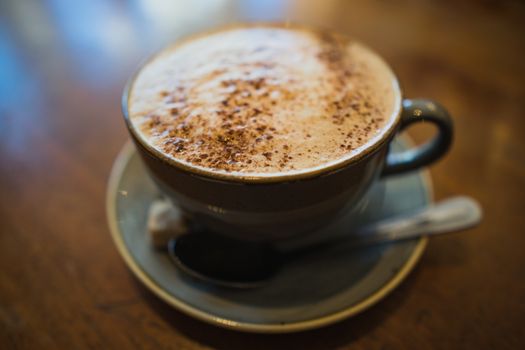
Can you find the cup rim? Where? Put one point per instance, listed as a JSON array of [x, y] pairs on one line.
[[247, 178]]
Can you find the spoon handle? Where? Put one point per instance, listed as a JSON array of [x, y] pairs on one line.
[[446, 216]]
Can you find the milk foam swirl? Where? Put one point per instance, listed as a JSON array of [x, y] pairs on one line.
[[262, 99]]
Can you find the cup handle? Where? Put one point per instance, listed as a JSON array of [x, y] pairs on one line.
[[415, 111]]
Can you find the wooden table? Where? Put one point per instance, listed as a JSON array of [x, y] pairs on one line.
[[62, 69]]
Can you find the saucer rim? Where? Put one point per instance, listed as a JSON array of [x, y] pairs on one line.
[[117, 171]]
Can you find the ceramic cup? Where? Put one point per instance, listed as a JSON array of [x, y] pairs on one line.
[[279, 206]]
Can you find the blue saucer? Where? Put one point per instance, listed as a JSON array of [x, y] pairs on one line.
[[315, 291]]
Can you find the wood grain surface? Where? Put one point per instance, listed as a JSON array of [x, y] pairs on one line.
[[62, 69]]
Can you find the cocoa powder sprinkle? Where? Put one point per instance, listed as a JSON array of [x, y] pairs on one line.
[[251, 100]]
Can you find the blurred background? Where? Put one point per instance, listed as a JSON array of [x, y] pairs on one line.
[[63, 65]]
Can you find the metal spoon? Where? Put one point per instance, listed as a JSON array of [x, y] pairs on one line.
[[238, 263]]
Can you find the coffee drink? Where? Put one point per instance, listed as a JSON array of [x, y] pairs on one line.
[[263, 99], [267, 132]]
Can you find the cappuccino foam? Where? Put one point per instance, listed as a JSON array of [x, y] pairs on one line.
[[263, 99]]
